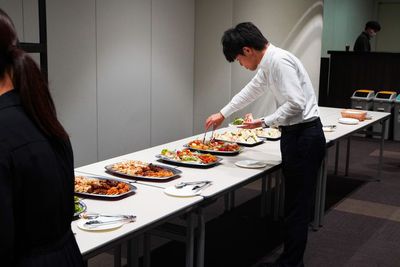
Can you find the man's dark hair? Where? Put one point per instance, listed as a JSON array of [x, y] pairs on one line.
[[373, 25], [244, 34]]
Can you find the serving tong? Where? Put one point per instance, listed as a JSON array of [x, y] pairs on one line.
[[212, 135], [198, 188], [94, 215], [94, 221], [329, 126], [198, 184]]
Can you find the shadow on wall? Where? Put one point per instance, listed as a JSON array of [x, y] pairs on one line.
[[304, 37], [306, 29]]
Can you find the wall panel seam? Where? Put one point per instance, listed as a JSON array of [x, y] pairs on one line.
[[96, 81], [151, 76]]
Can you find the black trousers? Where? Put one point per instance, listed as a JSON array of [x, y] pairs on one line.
[[302, 148]]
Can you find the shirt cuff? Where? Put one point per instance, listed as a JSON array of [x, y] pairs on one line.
[[226, 111]]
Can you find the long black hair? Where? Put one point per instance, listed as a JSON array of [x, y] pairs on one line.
[[244, 34], [28, 80]]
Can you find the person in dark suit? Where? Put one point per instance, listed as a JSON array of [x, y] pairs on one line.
[[362, 43], [36, 165]]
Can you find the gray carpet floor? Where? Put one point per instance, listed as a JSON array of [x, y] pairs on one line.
[[364, 228]]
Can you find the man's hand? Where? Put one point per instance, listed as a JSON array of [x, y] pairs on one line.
[[248, 117], [214, 120], [252, 124]]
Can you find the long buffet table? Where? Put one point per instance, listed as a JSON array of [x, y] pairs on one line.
[[153, 207]]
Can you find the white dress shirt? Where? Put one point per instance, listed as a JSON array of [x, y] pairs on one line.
[[282, 73]]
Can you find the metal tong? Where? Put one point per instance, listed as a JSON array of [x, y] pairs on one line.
[[197, 183], [198, 188], [212, 135], [95, 223]]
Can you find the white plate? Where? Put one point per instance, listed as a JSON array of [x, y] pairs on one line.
[[251, 164], [236, 126], [185, 191], [348, 121], [81, 225], [328, 129]]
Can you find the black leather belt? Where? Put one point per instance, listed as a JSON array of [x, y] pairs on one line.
[[300, 126]]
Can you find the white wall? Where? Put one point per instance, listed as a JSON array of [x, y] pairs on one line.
[[121, 72], [292, 25], [130, 74], [388, 39], [172, 70], [72, 72], [344, 20], [212, 73]]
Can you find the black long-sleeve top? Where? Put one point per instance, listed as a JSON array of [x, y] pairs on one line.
[[36, 188], [362, 43]]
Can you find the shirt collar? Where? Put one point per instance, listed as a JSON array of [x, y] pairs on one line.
[[11, 98], [366, 34], [267, 57]]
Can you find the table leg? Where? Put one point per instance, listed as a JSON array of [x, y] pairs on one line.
[[383, 129], [318, 197], [282, 195], [263, 196], [269, 194], [337, 157], [227, 202], [190, 240], [201, 225], [323, 188], [133, 252], [117, 256], [277, 195], [232, 200], [147, 250], [347, 157]]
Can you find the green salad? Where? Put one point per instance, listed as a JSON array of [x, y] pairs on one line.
[[78, 206], [238, 121]]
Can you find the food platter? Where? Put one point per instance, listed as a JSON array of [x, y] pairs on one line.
[[272, 134], [140, 170], [94, 186], [243, 137], [185, 157], [217, 147]]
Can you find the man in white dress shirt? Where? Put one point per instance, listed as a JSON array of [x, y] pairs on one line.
[[302, 141]]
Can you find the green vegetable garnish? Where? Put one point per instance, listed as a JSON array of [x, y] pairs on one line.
[[238, 121], [164, 151], [78, 208]]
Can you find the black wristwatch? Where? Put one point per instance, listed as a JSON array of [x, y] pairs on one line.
[[263, 124]]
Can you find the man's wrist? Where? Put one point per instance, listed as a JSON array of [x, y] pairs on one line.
[[263, 124]]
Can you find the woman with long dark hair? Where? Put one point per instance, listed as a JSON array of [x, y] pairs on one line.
[[36, 165]]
